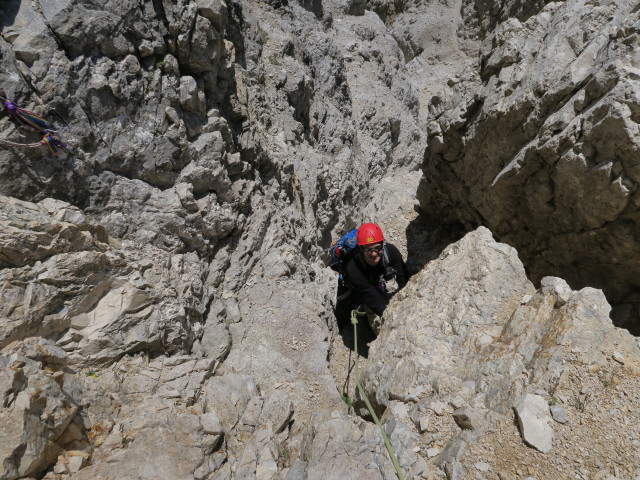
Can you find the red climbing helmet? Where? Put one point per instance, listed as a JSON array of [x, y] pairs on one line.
[[369, 233]]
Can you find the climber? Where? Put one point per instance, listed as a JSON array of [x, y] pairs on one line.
[[366, 271]]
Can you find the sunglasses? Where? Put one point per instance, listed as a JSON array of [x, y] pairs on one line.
[[370, 250]]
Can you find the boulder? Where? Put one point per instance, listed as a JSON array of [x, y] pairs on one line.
[[533, 420], [469, 331], [540, 146]]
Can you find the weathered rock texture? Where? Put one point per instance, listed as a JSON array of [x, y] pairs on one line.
[[99, 302], [164, 312], [171, 249], [469, 339], [539, 143], [40, 416]]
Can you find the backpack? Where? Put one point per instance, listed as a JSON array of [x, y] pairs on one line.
[[342, 249]]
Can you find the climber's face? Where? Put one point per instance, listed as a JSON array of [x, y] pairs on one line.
[[372, 253]]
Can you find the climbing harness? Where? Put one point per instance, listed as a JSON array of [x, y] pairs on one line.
[[354, 320], [29, 120]]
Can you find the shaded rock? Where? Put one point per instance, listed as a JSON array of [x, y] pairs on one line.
[[563, 183]]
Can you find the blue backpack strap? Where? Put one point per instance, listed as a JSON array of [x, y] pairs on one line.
[[341, 249]]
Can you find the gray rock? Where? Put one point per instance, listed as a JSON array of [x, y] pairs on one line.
[[558, 287], [533, 420], [468, 418], [432, 334], [177, 431], [228, 396], [250, 416], [89, 295], [618, 357], [39, 419], [30, 234], [211, 424], [298, 471], [531, 191], [277, 410], [445, 322], [330, 451], [168, 256], [433, 452], [215, 342], [558, 413], [453, 452]]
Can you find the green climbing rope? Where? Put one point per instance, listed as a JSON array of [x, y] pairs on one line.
[[387, 443]]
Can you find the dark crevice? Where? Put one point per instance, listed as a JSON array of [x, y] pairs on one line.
[[92, 123], [192, 29], [8, 11], [159, 9], [141, 7]]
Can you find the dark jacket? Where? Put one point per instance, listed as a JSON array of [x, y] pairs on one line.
[[368, 282]]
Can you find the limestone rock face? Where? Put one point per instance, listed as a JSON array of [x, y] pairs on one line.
[[540, 146], [170, 252], [164, 312], [470, 332], [178, 433], [40, 415], [332, 446], [64, 279], [44, 236], [448, 324]]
